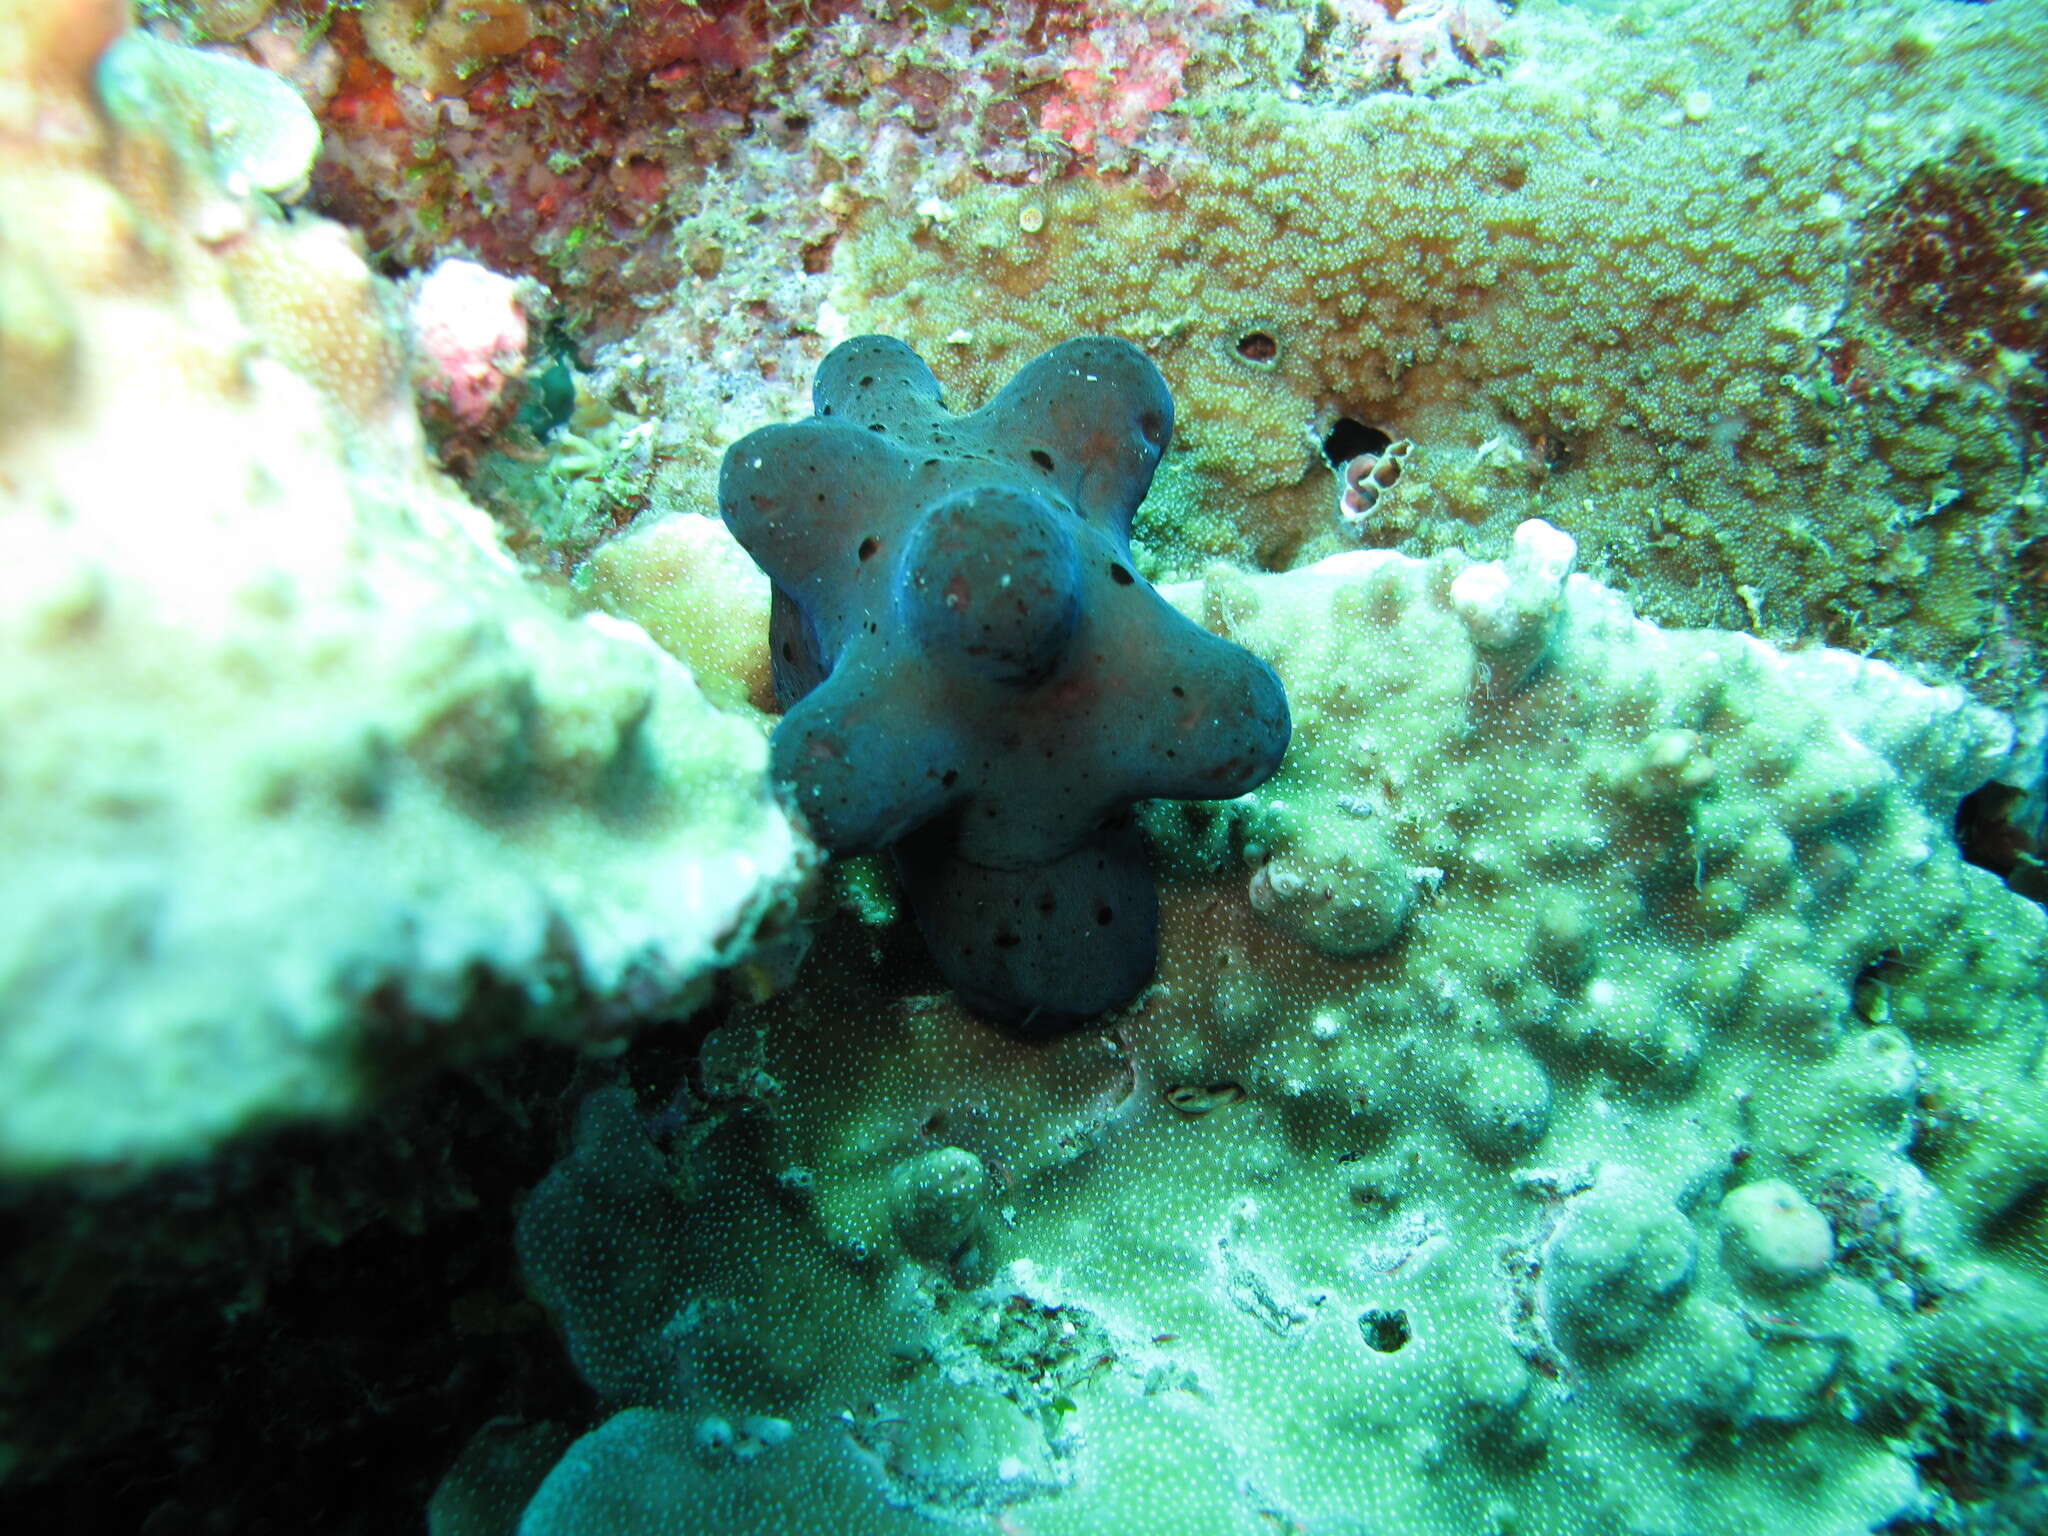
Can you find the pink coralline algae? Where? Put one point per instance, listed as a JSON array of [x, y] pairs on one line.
[[1119, 72], [469, 333]]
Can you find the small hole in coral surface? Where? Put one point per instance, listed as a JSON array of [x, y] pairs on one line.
[[1042, 459], [1104, 916], [950, 777], [1347, 439], [1258, 347], [1008, 939], [868, 546], [789, 653], [1120, 576], [864, 383], [1557, 451], [1047, 903], [1152, 427], [876, 426], [1386, 1331], [2001, 830], [1179, 692]]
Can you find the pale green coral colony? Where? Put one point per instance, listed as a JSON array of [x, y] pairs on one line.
[[1511, 1216], [1587, 1091]]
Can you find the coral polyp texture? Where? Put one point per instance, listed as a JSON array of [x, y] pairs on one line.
[[1774, 374], [306, 786], [974, 677], [1618, 1113]]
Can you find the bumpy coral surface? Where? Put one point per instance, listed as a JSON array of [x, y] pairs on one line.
[[305, 784], [1616, 1113], [974, 677], [1733, 291]]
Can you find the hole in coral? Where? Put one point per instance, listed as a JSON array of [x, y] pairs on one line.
[[2001, 829], [1557, 451], [1199, 1098], [1347, 439], [1385, 1329], [1042, 459], [868, 546], [1104, 916], [864, 383], [1258, 347], [1152, 426], [950, 777], [789, 653], [1120, 576], [1008, 938]]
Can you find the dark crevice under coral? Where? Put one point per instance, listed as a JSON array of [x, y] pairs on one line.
[[2000, 828], [300, 1336]]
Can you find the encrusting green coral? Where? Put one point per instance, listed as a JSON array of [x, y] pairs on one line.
[[1560, 1157]]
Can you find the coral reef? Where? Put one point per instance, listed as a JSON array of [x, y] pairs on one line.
[[1607, 274], [307, 787], [1602, 1179], [1584, 1090], [973, 677]]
